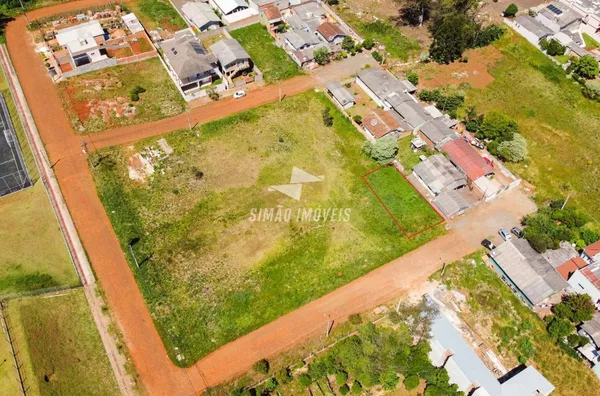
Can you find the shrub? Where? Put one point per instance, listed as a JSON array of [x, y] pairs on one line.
[[321, 55], [341, 377], [344, 389], [413, 78], [135, 92], [411, 382], [212, 93], [304, 380], [383, 151], [389, 379], [333, 2], [585, 67], [368, 43], [591, 90], [377, 56], [327, 118], [488, 35], [283, 376], [559, 328], [348, 44], [270, 384], [262, 366], [394, 317], [511, 10], [356, 388], [554, 48], [576, 341], [514, 150], [358, 119], [355, 319]]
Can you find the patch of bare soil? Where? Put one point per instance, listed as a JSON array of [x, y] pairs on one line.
[[106, 108]]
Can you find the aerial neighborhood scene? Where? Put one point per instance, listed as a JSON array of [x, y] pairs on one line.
[[300, 197]]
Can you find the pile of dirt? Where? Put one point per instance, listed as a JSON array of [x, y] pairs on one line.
[[106, 108]]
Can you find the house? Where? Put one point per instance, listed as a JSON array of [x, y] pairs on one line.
[[528, 274], [591, 351], [590, 9], [591, 253], [306, 56], [438, 174], [233, 58], [575, 50], [309, 11], [382, 87], [532, 29], [435, 132], [233, 10], [260, 5], [557, 257], [410, 87], [272, 17], [464, 156], [83, 42], [331, 33], [583, 272], [132, 23], [559, 16], [451, 203], [465, 368], [382, 123], [189, 62], [200, 15], [340, 95], [298, 39]]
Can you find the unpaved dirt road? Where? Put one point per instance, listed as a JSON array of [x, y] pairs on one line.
[[158, 374]]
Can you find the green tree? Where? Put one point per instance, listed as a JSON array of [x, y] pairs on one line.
[[554, 48], [514, 150], [585, 67], [356, 388], [497, 126], [304, 380], [591, 90], [581, 306], [377, 56], [559, 328], [344, 389], [368, 43], [135, 92], [389, 379], [454, 35], [262, 366], [411, 382], [321, 55], [284, 376], [348, 44], [413, 78], [327, 118], [271, 384], [341, 377], [382, 150], [511, 10]]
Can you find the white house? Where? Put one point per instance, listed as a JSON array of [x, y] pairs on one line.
[[82, 42], [201, 15], [233, 10]]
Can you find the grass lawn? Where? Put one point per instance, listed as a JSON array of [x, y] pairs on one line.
[[100, 100], [273, 61], [563, 59], [506, 323], [157, 14], [33, 254], [590, 43], [8, 375], [60, 346], [403, 201], [213, 273], [559, 123], [406, 155]]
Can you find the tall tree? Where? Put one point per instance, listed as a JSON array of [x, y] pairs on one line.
[[415, 12], [452, 37]]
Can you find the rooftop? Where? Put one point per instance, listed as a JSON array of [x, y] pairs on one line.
[[340, 93], [558, 256], [463, 155], [592, 327], [528, 270], [330, 31], [132, 23], [272, 13], [187, 56], [228, 6], [437, 131], [560, 13], [593, 249], [200, 14], [567, 268], [451, 203], [380, 123], [310, 10], [299, 38], [228, 51], [439, 174], [381, 83], [533, 25], [80, 37]]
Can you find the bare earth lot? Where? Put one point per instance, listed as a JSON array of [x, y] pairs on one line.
[[209, 273]]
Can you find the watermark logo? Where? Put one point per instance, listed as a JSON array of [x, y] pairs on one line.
[[298, 179]]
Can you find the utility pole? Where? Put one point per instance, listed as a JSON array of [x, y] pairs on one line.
[[280, 92], [87, 153], [329, 325], [565, 203]]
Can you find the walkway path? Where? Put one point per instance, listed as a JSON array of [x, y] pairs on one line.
[[159, 375]]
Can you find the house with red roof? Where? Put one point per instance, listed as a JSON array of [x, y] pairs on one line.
[[466, 158], [583, 272]]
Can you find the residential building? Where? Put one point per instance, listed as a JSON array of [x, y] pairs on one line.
[[382, 123], [532, 29], [132, 23], [382, 87], [451, 203], [583, 272], [590, 9], [559, 16], [233, 10], [465, 368], [591, 253], [331, 33], [201, 15], [591, 351], [279, 4], [435, 132], [565, 252], [233, 58], [272, 17], [190, 64], [340, 95], [306, 56], [438, 174], [309, 11], [466, 158], [298, 39], [527, 273], [83, 42]]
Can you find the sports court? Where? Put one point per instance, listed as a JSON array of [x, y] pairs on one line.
[[13, 173]]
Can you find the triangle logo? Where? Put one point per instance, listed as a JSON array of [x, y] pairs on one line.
[[302, 176], [293, 191]]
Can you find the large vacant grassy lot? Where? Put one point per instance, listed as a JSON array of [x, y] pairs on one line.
[[507, 324], [33, 254], [100, 100], [402, 200], [213, 274], [60, 346], [274, 63], [560, 125]]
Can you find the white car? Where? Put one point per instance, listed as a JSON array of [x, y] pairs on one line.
[[239, 94], [505, 234]]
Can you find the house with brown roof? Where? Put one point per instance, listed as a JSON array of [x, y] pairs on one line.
[[331, 33], [381, 123], [271, 16]]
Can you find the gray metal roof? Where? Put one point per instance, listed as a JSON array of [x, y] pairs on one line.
[[439, 174], [412, 113], [310, 10], [558, 256], [295, 22], [566, 17], [437, 131], [534, 26], [592, 327], [228, 51], [450, 203], [381, 82], [340, 93], [408, 86], [577, 49], [528, 270], [201, 14], [299, 38], [187, 56], [467, 368]]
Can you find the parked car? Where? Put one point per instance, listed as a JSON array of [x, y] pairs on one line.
[[488, 244], [505, 234], [239, 94], [477, 143], [517, 231]]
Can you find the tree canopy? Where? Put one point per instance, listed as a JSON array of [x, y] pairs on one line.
[[514, 150], [511, 10], [585, 67], [382, 150], [497, 125]]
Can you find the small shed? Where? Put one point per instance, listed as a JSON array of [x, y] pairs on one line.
[[341, 95]]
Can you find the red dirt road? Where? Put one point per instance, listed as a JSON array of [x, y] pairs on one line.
[[158, 374]]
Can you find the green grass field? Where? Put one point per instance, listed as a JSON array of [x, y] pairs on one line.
[[214, 274], [157, 14], [93, 101], [60, 347], [274, 63], [559, 123], [495, 311], [590, 43], [33, 254], [406, 155], [403, 201]]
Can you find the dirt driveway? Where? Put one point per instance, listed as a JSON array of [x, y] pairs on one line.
[[159, 375]]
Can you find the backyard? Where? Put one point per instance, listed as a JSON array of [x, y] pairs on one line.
[[24, 265], [497, 315], [273, 61], [412, 212], [156, 14], [211, 270], [60, 348], [559, 123], [103, 99]]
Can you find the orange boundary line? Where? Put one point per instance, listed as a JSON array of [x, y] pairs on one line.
[[409, 236]]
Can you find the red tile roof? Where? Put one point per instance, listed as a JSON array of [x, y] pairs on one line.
[[567, 268], [593, 249], [468, 159], [330, 30], [591, 275], [272, 13], [380, 122]]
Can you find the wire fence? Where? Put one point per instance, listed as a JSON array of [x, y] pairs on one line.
[[14, 350]]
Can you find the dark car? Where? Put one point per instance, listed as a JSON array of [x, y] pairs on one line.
[[517, 231], [488, 244]]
